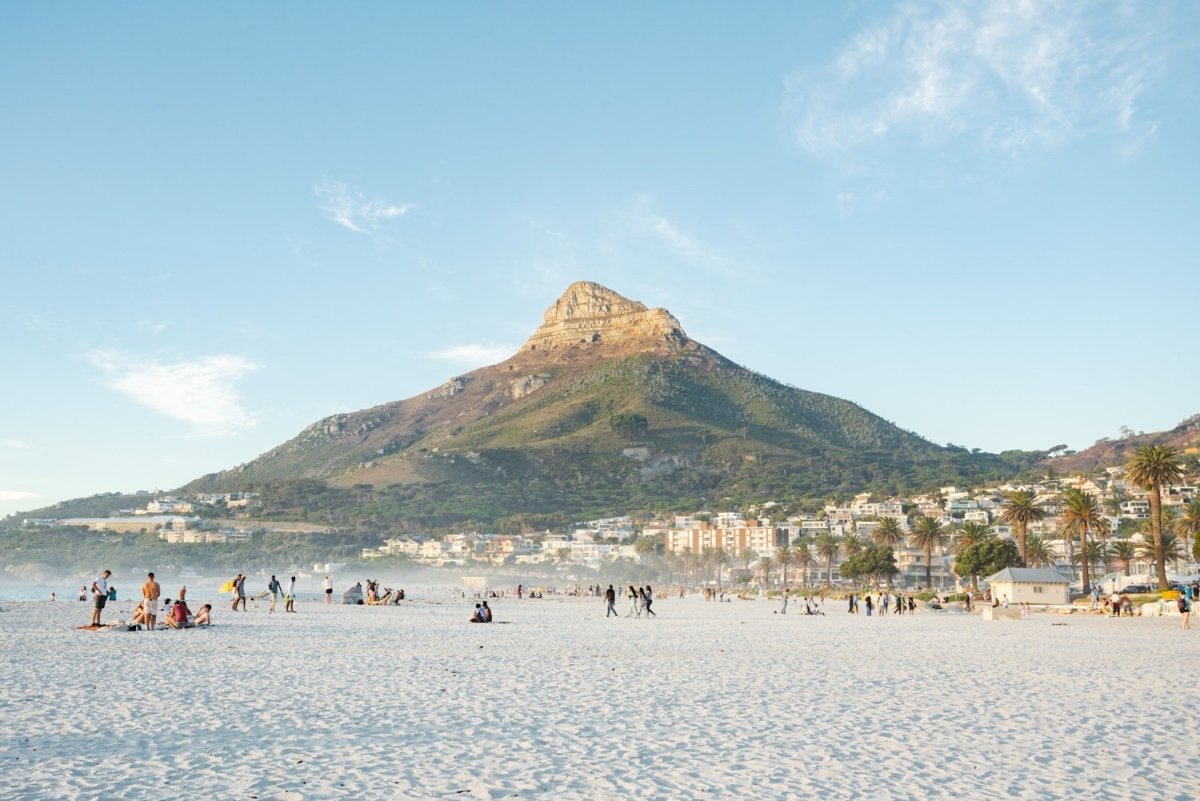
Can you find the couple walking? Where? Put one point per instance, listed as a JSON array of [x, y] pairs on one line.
[[640, 599]]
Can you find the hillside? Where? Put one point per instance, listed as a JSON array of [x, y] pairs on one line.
[[608, 406], [1110, 452]]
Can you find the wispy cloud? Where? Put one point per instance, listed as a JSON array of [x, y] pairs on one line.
[[353, 210], [8, 496], [201, 392], [1011, 74], [473, 354], [13, 445], [153, 325]]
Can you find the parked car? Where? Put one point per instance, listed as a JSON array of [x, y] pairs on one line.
[[1134, 589]]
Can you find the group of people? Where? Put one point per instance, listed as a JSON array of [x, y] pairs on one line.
[[176, 614], [483, 613], [896, 602], [641, 599]]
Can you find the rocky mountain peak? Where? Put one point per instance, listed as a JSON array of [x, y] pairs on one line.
[[590, 314]]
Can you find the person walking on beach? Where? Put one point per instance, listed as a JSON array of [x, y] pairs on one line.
[[648, 601], [635, 610], [99, 595], [274, 588], [783, 611], [289, 600], [241, 590], [1185, 610], [327, 585], [610, 599], [870, 604], [151, 591]]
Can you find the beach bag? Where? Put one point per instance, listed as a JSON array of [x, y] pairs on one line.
[[1182, 605]]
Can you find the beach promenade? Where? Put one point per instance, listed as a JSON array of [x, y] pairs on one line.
[[721, 701]]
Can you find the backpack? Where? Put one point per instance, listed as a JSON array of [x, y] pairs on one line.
[[1182, 604]]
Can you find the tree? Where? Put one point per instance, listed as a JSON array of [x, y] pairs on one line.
[[764, 567], [1171, 549], [643, 547], [872, 562], [852, 544], [1019, 511], [721, 559], [970, 534], [1188, 527], [1150, 468], [1082, 514], [629, 425], [889, 535], [928, 533], [804, 559], [985, 557], [1038, 552], [828, 546], [1124, 552], [748, 555], [783, 558]]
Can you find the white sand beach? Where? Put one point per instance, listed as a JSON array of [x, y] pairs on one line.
[[708, 701]]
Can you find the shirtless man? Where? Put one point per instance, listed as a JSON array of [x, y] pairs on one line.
[[150, 595]]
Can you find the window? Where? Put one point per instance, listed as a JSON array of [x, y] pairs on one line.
[[1037, 590]]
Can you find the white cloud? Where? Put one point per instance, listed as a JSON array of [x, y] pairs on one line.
[[7, 496], [1012, 74], [473, 354], [153, 325], [354, 211], [201, 393], [13, 445]]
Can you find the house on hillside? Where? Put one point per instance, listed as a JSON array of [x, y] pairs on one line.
[[1030, 585]]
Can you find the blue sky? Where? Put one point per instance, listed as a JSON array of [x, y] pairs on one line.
[[222, 222]]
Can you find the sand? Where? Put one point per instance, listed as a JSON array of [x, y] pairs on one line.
[[708, 701]]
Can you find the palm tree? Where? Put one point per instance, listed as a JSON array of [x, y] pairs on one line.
[[1150, 468], [828, 546], [1038, 552], [643, 547], [1188, 526], [748, 555], [764, 567], [1172, 548], [852, 544], [804, 558], [967, 535], [1124, 552], [889, 535], [1019, 511], [1081, 514], [1095, 552], [927, 533], [783, 558]]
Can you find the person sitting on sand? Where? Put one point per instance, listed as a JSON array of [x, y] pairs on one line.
[[477, 617], [178, 616], [203, 617], [486, 613], [139, 617]]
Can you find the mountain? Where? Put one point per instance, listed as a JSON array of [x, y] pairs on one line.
[[1110, 452], [609, 406]]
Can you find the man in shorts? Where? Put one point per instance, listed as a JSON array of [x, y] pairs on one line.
[[327, 584], [99, 595], [150, 595]]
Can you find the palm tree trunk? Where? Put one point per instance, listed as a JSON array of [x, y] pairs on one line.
[[929, 567], [1085, 579], [828, 572], [1160, 558], [1021, 542]]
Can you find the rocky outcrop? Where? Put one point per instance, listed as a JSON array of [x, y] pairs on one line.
[[588, 314]]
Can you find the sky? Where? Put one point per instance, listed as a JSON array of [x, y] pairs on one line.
[[223, 221]]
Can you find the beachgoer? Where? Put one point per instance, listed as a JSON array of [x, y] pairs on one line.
[[912, 605], [150, 594], [610, 599], [112, 593], [635, 609], [289, 599], [1004, 601], [884, 599], [99, 595], [183, 592], [139, 617], [274, 588], [83, 592], [648, 601], [204, 616], [870, 604], [487, 613], [234, 582], [53, 597], [1185, 609], [783, 611], [327, 585], [241, 590], [179, 614], [477, 615]]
